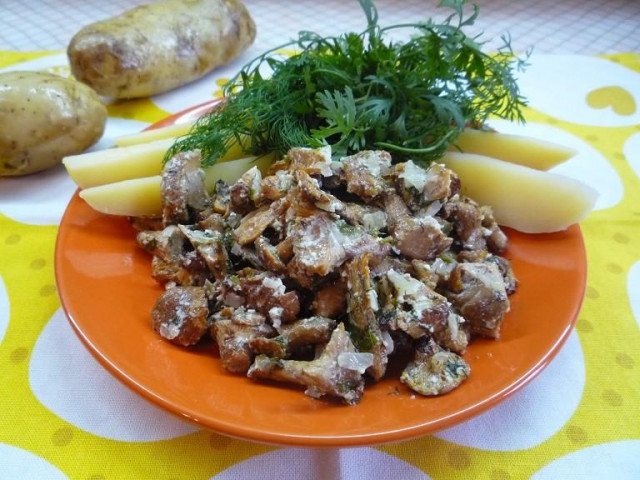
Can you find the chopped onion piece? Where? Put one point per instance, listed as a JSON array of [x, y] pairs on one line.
[[358, 361], [388, 342], [442, 268], [433, 208]]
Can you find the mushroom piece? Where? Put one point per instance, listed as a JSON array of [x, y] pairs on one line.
[[331, 299], [265, 293], [363, 173], [183, 189], [419, 311], [277, 185], [330, 374], [362, 306], [455, 334], [314, 161], [180, 315], [478, 293], [245, 193], [210, 246], [234, 335], [415, 237], [268, 256], [321, 244], [253, 224], [504, 265], [307, 331], [434, 371]]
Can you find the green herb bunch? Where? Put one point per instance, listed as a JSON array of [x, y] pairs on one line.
[[360, 91]]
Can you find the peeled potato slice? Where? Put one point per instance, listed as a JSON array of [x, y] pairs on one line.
[[232, 170], [147, 136], [528, 200], [116, 164], [138, 197], [141, 197], [527, 151]]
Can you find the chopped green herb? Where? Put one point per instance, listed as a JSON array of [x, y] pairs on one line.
[[361, 91]]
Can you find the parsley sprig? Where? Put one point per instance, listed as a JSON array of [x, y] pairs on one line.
[[361, 91]]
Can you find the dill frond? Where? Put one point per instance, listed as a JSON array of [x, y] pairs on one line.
[[359, 91]]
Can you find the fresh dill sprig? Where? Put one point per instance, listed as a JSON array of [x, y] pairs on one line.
[[360, 91]]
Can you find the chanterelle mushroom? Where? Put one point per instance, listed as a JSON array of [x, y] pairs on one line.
[[330, 374], [434, 371]]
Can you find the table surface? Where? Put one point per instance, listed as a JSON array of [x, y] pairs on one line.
[[65, 417]]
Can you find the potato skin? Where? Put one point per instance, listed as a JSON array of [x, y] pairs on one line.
[[154, 48], [45, 117]]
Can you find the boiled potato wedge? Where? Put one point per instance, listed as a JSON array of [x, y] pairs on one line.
[[157, 47], [156, 134], [527, 151], [44, 117], [529, 200], [232, 170], [117, 164], [141, 197]]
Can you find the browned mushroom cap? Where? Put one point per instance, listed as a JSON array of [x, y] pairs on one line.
[[180, 315], [321, 244], [419, 311], [434, 371]]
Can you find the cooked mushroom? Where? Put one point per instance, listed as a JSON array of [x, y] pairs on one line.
[[434, 371], [284, 266], [363, 173], [477, 290], [234, 335], [183, 189], [307, 331], [180, 315], [331, 373], [362, 306]]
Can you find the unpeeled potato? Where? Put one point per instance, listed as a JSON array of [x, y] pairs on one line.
[[44, 117], [154, 48]]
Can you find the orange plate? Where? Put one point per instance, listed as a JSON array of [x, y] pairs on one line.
[[107, 292]]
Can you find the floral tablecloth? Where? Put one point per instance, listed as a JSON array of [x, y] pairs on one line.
[[64, 417]]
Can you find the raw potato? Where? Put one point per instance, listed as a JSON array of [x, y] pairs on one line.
[[141, 197], [528, 200], [154, 48], [44, 117], [527, 151], [117, 164]]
